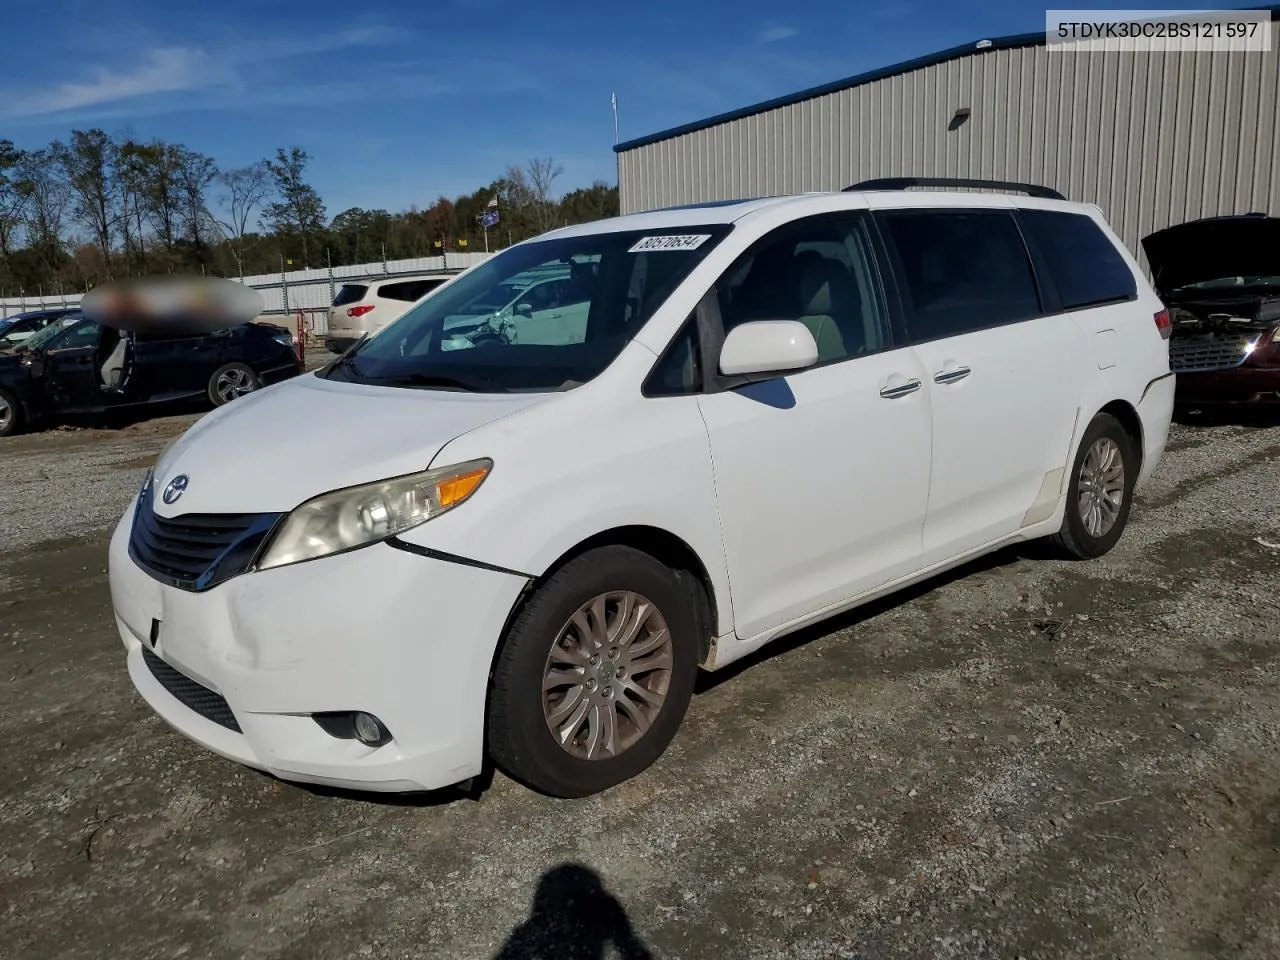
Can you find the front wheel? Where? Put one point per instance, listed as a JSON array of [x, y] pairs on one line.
[[595, 675], [230, 381], [1100, 491], [10, 415]]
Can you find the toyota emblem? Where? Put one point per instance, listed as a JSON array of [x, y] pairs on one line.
[[176, 488]]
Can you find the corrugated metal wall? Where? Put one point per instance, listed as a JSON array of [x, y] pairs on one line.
[[1154, 139]]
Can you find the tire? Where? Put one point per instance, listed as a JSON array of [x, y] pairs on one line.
[[560, 616], [1091, 528], [230, 381], [11, 419]]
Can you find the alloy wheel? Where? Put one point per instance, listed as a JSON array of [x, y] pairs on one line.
[[607, 676], [232, 384], [1101, 487]]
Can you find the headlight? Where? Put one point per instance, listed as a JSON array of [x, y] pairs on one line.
[[346, 519], [286, 340]]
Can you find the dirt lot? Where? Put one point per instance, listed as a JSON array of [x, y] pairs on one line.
[[1029, 758]]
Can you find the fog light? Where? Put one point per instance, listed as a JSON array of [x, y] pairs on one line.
[[369, 730]]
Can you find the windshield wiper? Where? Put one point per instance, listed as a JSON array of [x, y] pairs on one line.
[[468, 383], [348, 362]]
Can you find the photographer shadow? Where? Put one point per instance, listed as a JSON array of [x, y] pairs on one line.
[[573, 917]]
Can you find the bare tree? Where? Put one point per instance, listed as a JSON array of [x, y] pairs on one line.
[[15, 195], [48, 198], [543, 173], [86, 164], [195, 172], [244, 192], [161, 162], [131, 185]]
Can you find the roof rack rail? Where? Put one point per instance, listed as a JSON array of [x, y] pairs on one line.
[[901, 183]]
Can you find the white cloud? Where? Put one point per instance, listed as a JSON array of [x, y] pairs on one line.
[[166, 70], [177, 69], [775, 33]]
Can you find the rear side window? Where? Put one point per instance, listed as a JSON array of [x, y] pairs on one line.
[[962, 270], [350, 293], [1083, 264], [407, 290]]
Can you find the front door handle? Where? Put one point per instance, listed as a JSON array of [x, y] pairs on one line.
[[951, 376], [900, 389]]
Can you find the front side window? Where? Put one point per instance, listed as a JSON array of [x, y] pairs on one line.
[[962, 270], [544, 315], [818, 272], [1085, 266]]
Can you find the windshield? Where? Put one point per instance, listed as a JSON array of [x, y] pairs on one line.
[[42, 338], [539, 316]]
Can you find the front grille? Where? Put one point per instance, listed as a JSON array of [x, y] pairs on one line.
[[196, 551], [193, 695], [1200, 354]]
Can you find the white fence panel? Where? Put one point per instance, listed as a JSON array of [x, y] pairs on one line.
[[310, 291]]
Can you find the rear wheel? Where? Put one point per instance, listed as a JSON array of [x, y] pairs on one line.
[[1100, 490], [10, 415], [595, 675], [230, 381]]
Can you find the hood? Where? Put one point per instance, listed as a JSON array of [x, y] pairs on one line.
[[271, 450], [1244, 246]]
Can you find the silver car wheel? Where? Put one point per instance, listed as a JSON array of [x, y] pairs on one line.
[[607, 676], [1101, 487], [232, 384]]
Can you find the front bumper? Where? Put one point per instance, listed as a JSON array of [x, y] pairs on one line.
[[405, 637], [1243, 385]]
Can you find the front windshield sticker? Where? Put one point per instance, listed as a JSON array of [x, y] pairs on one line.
[[679, 242]]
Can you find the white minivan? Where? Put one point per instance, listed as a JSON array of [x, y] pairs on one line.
[[384, 573]]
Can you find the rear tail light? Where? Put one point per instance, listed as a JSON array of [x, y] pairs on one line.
[[359, 311], [1164, 323]]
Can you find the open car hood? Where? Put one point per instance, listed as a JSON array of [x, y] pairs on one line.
[[1213, 248]]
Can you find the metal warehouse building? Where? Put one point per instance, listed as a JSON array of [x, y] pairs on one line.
[[1152, 138]]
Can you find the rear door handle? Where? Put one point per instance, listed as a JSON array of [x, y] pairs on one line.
[[951, 376], [900, 389]]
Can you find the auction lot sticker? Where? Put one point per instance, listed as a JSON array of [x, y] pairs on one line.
[[687, 241]]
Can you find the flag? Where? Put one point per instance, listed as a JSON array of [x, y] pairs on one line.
[[493, 203]]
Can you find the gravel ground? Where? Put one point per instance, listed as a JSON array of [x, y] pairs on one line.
[[1024, 758]]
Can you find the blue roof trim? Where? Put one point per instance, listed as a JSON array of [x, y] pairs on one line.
[[1036, 39]]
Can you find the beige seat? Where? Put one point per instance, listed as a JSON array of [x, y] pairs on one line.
[[829, 308]]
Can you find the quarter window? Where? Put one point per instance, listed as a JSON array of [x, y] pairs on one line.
[[962, 270], [818, 272], [349, 293], [679, 371], [1085, 265]]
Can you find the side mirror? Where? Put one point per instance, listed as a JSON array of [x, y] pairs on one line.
[[524, 309], [767, 346]]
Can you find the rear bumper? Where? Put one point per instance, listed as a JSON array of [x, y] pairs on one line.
[[339, 344], [1155, 411], [1243, 385]]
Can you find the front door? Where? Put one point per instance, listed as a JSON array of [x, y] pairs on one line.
[[822, 476], [1003, 375], [70, 368]]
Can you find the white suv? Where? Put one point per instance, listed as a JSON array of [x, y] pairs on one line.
[[363, 307], [770, 412]]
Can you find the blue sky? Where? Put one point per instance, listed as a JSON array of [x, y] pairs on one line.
[[399, 101]]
